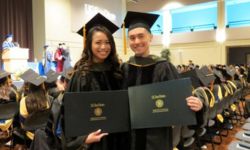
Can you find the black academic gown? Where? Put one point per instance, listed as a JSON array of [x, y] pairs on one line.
[[99, 78], [139, 71]]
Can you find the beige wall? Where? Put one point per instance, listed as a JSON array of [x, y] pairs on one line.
[[200, 53], [58, 25], [38, 27], [190, 46]]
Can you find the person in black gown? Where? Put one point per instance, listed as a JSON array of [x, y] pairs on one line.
[[144, 68], [97, 70]]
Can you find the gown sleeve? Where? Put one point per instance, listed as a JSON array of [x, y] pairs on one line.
[[75, 85], [165, 71]]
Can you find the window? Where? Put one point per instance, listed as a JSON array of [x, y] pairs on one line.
[[237, 12], [195, 17], [157, 27]]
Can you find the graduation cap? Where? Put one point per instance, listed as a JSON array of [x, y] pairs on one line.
[[139, 19], [51, 76], [197, 78], [9, 35], [98, 20], [207, 75], [225, 73], [135, 20], [218, 74], [32, 77], [230, 71], [3, 74]]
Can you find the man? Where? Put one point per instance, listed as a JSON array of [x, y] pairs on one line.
[[144, 68], [48, 58], [191, 65], [7, 44], [66, 55]]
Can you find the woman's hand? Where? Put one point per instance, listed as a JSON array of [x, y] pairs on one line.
[[194, 103], [95, 137]]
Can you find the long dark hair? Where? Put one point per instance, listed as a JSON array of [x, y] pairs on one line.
[[36, 99], [3, 81], [5, 89], [84, 64]]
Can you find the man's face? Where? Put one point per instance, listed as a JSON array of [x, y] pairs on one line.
[[9, 39], [139, 41]]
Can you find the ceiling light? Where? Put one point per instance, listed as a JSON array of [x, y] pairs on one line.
[[172, 5]]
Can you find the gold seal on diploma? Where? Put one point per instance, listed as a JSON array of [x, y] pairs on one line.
[[98, 111], [159, 103]]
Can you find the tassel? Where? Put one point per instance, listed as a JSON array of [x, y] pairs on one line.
[[124, 39], [84, 37]]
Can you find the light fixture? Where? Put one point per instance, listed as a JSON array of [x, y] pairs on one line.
[[172, 5], [221, 35]]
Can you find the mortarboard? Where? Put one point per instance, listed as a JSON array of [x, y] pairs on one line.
[[51, 76], [139, 19], [9, 35], [207, 75], [197, 78], [32, 77], [230, 71], [218, 74], [98, 19], [3, 74], [226, 73]]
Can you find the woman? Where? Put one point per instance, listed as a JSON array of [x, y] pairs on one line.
[[7, 93], [51, 84], [36, 99], [5, 85], [97, 70]]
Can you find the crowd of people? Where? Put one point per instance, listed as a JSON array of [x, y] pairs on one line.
[[99, 69], [57, 60]]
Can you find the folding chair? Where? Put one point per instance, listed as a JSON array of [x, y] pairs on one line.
[[243, 136], [238, 145]]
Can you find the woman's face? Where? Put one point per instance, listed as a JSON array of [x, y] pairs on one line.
[[101, 47], [9, 81]]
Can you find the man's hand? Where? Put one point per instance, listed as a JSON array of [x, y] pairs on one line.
[[194, 103], [95, 137]]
